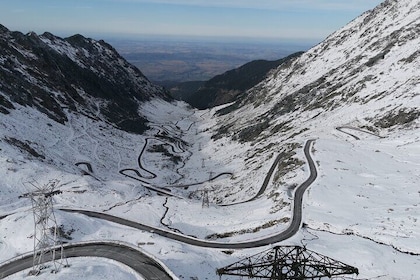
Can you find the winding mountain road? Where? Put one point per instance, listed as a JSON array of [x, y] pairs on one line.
[[138, 174], [263, 186], [148, 267], [341, 129], [287, 233], [139, 262]]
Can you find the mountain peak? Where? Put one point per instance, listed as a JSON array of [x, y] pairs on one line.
[[367, 67], [50, 36], [356, 93], [3, 29], [51, 73], [78, 40]]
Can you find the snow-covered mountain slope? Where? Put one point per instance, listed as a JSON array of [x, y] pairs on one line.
[[356, 93], [366, 75], [76, 73], [369, 68]]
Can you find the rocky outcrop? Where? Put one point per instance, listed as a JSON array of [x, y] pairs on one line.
[[79, 74]]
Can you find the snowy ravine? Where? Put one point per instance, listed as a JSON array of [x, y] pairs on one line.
[[358, 211], [356, 94]]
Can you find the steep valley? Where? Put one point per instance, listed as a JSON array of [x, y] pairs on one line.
[[73, 110]]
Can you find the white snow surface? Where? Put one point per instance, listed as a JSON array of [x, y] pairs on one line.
[[363, 208], [366, 195], [86, 268]]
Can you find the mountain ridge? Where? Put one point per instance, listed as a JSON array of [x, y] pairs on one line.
[[52, 73], [349, 69], [356, 94], [228, 86]]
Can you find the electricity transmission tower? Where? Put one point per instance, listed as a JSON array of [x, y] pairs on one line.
[[206, 202], [205, 192], [47, 246], [288, 262]]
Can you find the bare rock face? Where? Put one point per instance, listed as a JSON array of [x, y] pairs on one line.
[[79, 74]]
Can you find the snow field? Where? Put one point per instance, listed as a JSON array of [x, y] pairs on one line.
[[85, 268], [359, 183]]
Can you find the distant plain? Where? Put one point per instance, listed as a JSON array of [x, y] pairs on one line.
[[198, 59]]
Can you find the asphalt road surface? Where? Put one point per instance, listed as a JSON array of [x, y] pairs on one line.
[[287, 233], [142, 264], [340, 128], [146, 266]]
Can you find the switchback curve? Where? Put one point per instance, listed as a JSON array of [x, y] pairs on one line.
[[287, 233]]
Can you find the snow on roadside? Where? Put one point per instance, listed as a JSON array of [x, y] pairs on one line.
[[355, 171], [92, 268], [368, 188]]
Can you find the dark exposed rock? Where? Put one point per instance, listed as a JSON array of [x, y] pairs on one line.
[[229, 86], [25, 146], [77, 73]]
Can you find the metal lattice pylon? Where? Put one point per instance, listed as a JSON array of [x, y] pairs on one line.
[[205, 192], [47, 246], [206, 202], [288, 262]]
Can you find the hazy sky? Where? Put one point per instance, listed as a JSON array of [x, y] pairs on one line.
[[293, 19]]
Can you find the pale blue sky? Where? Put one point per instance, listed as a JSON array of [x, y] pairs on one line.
[[290, 19]]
